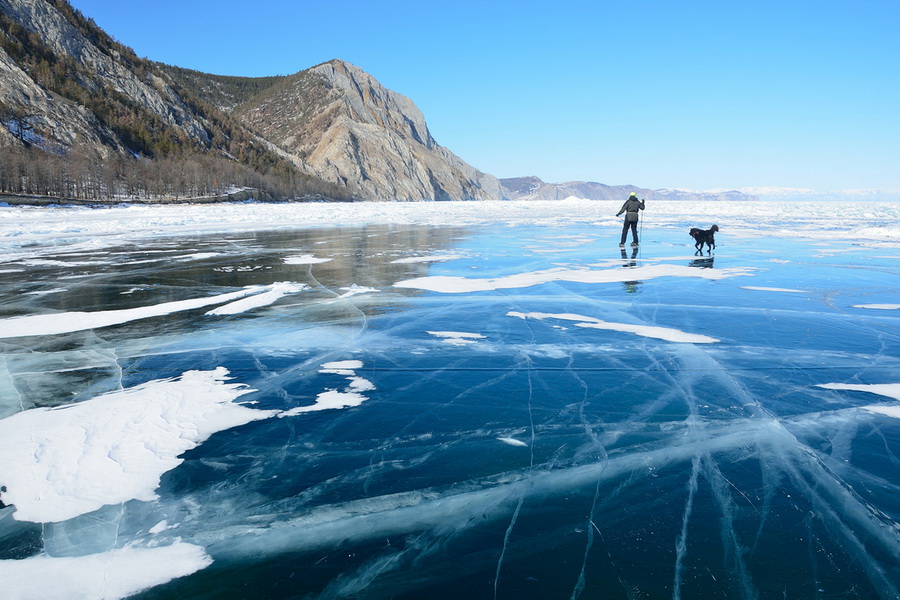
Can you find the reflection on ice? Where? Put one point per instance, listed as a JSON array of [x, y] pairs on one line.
[[481, 412]]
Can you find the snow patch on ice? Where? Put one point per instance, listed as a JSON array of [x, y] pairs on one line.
[[341, 367], [354, 289], [351, 396], [878, 306], [888, 411], [651, 331], [512, 441], [109, 575], [457, 338], [890, 390], [59, 463], [199, 256], [772, 289], [46, 292], [457, 285], [304, 259], [424, 259], [159, 527], [68, 322], [276, 292]]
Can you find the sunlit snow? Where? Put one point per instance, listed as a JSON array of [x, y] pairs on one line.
[[70, 460], [114, 574]]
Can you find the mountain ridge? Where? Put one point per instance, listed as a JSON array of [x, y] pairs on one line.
[[533, 188]]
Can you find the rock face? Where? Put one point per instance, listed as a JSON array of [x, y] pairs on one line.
[[67, 122], [343, 125], [333, 122], [56, 31], [532, 188]]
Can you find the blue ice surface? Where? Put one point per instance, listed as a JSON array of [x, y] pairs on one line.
[[534, 458]]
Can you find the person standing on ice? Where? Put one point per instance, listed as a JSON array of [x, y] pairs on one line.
[[631, 209]]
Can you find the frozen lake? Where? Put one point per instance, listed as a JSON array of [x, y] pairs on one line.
[[461, 400]]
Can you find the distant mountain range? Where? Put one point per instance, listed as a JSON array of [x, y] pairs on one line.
[[532, 188], [90, 118]]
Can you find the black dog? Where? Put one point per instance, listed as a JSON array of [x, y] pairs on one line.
[[704, 236]]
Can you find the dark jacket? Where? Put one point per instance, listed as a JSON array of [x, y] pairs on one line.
[[630, 208]]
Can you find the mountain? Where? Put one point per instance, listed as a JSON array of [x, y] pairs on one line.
[[67, 88], [533, 188], [338, 122], [348, 128]]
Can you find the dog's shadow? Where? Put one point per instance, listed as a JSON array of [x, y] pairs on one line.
[[705, 262]]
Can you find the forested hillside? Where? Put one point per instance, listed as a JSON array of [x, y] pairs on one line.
[[146, 122]]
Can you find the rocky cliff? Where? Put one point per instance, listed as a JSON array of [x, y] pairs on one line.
[[101, 70], [341, 124]]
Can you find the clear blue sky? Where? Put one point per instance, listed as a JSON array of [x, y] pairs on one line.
[[666, 93]]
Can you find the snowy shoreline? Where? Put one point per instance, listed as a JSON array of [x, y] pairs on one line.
[[823, 220]]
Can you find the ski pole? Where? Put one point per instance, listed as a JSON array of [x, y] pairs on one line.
[[642, 228]]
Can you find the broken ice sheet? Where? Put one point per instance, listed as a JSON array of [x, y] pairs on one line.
[[470, 440]]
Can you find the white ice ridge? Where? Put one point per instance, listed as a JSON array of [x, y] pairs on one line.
[[651, 331], [890, 390], [456, 285], [106, 576], [349, 397], [58, 463], [304, 259], [276, 291], [457, 338], [68, 322]]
